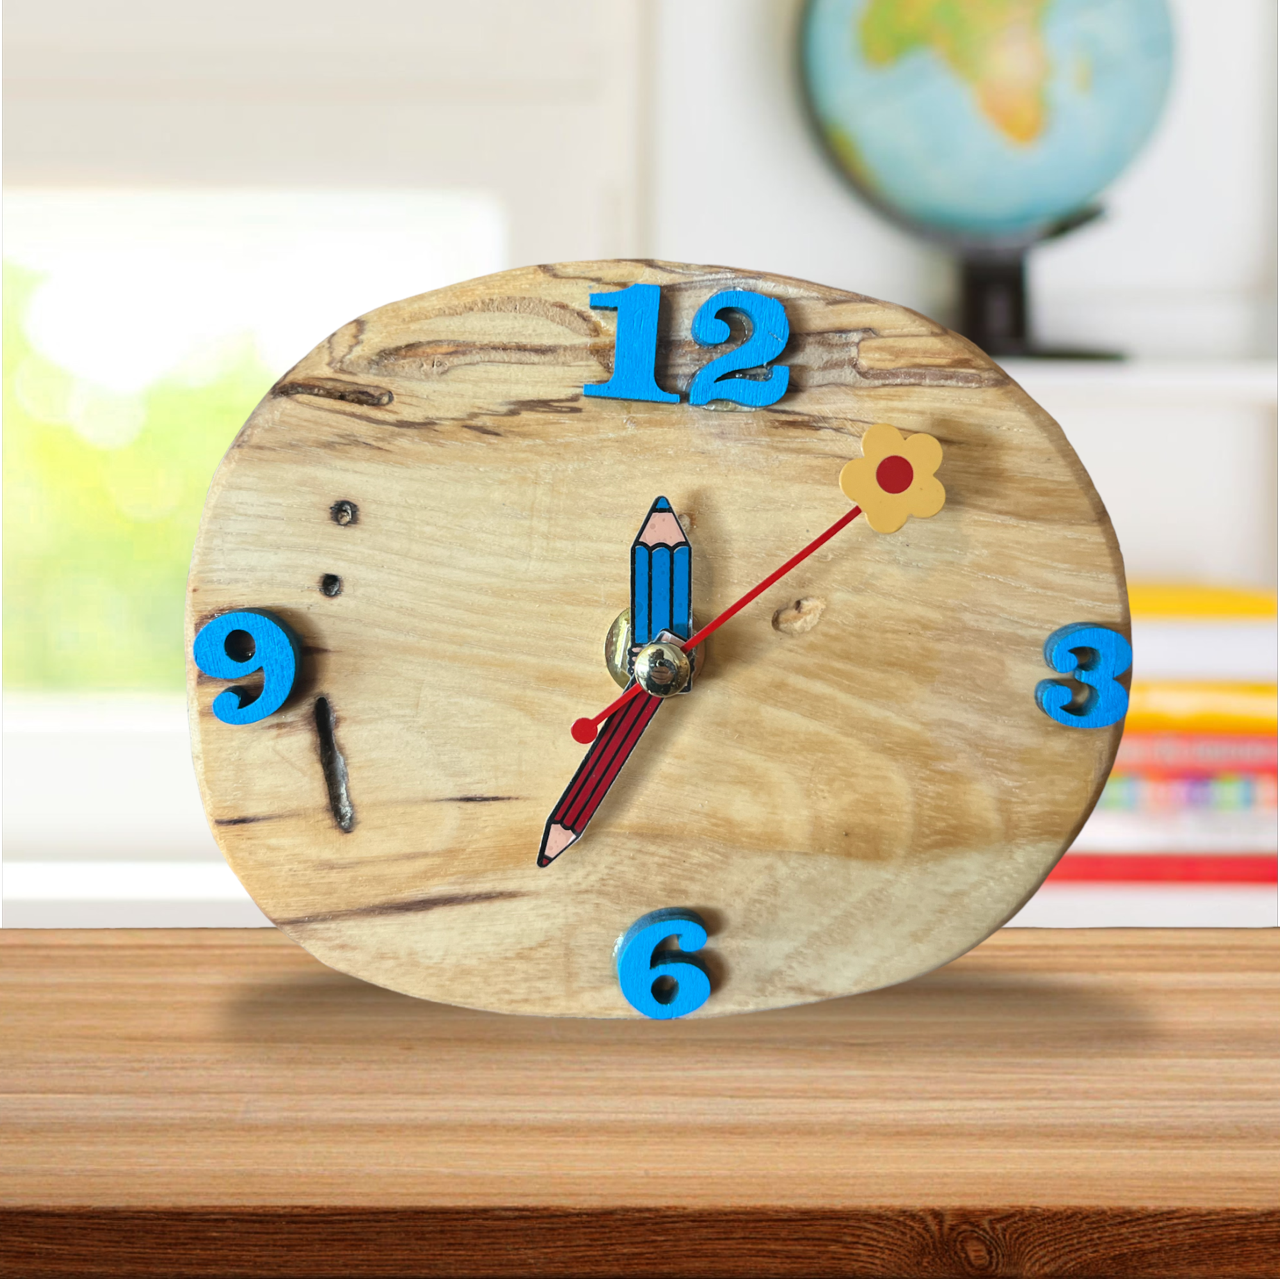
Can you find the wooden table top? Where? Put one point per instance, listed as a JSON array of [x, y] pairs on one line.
[[1055, 1102]]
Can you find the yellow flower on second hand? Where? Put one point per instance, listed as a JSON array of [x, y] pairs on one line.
[[894, 478]]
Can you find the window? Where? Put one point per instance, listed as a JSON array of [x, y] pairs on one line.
[[143, 327]]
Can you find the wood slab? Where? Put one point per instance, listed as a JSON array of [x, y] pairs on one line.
[[846, 805], [1054, 1103]]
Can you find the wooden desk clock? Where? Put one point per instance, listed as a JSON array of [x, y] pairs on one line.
[[845, 749]]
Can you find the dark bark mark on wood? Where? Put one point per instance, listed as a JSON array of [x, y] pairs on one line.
[[349, 415], [475, 799], [793, 419], [329, 388], [513, 408], [245, 821], [334, 767], [411, 907], [345, 342], [359, 441]]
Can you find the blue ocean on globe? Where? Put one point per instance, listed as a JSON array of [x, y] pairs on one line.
[[986, 121]]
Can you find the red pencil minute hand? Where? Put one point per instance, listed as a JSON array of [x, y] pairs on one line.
[[597, 772], [584, 730]]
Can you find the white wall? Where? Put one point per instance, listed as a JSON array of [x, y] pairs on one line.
[[541, 104], [738, 177], [1184, 263]]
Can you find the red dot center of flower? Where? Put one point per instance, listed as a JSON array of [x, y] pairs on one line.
[[895, 474]]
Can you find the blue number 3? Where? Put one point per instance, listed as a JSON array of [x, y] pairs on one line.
[[1093, 656], [272, 648], [641, 965]]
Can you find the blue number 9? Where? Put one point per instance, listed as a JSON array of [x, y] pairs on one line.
[[1094, 656], [641, 966], [267, 645]]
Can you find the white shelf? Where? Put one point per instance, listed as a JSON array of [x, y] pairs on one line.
[[1239, 382]]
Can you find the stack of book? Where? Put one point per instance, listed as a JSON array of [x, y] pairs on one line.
[[1185, 831]]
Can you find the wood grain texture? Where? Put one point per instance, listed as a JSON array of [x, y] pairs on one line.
[[669, 1243], [846, 807], [1053, 1103]]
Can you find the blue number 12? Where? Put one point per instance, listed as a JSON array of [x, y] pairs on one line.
[[635, 349], [769, 332]]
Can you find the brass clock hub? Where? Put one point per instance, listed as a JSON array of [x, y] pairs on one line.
[[662, 669]]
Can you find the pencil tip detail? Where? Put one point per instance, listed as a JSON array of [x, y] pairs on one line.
[[662, 504], [554, 841]]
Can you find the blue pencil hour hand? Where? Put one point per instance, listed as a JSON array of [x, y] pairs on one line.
[[661, 594]]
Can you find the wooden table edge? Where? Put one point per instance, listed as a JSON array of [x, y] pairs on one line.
[[993, 1240]]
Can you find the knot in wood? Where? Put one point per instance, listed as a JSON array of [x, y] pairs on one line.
[[800, 617]]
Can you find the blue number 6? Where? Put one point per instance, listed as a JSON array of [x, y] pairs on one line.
[[641, 965], [274, 652], [1094, 656], [770, 329]]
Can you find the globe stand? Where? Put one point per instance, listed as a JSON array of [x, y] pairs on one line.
[[993, 301]]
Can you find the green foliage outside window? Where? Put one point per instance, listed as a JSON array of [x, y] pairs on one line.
[[102, 497]]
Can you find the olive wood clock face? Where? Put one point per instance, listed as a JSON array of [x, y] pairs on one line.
[[860, 783]]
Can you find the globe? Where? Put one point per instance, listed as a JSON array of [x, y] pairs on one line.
[[986, 123]]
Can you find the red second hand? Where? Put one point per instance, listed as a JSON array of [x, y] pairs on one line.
[[584, 730]]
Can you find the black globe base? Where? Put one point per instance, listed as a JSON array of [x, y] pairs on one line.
[[993, 311]]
